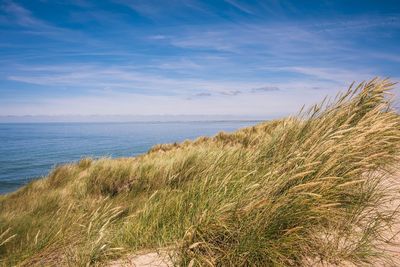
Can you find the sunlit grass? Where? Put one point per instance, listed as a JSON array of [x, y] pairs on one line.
[[298, 191]]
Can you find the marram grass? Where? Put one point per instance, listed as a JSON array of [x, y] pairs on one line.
[[316, 189]]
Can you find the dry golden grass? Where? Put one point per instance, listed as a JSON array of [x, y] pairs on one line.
[[304, 190]]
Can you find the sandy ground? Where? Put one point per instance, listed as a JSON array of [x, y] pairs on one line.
[[149, 259], [162, 259]]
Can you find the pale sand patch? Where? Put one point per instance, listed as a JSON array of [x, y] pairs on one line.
[[150, 259]]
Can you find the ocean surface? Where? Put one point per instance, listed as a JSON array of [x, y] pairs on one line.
[[31, 150]]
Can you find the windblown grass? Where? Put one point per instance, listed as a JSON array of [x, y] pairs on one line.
[[305, 190]]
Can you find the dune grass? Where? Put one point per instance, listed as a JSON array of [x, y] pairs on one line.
[[316, 188]]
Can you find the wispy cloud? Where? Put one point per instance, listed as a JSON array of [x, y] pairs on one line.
[[21, 15], [239, 6], [269, 39], [130, 103], [202, 94], [228, 57], [179, 64], [265, 89], [16, 14], [391, 57], [126, 78], [158, 9], [361, 23], [231, 92], [335, 75]]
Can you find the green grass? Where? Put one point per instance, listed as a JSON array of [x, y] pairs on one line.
[[311, 189]]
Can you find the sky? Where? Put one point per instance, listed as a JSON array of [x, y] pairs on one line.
[[189, 57]]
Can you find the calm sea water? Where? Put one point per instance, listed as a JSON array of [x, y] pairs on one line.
[[30, 150]]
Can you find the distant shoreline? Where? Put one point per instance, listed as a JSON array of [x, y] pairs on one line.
[[127, 122], [133, 118]]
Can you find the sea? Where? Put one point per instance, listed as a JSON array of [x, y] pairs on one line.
[[30, 150]]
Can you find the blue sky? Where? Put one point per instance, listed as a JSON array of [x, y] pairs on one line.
[[226, 57]]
